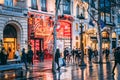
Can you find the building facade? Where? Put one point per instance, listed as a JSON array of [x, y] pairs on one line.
[[13, 28], [106, 19]]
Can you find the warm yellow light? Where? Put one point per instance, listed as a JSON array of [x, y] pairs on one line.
[[6, 76], [113, 35]]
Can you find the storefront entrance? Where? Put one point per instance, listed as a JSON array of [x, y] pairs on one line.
[[37, 44], [9, 40]]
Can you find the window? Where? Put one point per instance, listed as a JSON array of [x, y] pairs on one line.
[[92, 3], [77, 10], [34, 4], [66, 9], [8, 2], [105, 34], [105, 6], [118, 18], [108, 18], [76, 27], [43, 5], [76, 44], [76, 37], [118, 37]]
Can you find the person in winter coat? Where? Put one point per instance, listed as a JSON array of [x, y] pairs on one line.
[[90, 52], [30, 56], [117, 58], [24, 58], [3, 56], [57, 56]]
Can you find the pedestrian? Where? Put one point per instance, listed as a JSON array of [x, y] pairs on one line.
[[117, 58], [57, 56], [73, 54], [3, 56], [41, 54], [30, 56], [79, 54], [65, 54], [76, 55], [90, 53], [24, 58], [95, 54], [107, 53]]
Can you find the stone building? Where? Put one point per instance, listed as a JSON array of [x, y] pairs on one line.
[[13, 25]]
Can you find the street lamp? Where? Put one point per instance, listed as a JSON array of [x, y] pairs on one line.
[[81, 18]]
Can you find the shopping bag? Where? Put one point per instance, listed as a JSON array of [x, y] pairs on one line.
[[64, 63], [60, 62]]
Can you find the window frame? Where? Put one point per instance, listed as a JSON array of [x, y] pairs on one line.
[[43, 5], [66, 7], [34, 4]]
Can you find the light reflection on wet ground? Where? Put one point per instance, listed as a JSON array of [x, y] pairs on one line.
[[42, 71]]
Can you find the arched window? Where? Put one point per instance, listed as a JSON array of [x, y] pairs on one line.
[[77, 10], [105, 34], [10, 32], [66, 9]]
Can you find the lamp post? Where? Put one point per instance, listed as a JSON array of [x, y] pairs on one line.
[[81, 18]]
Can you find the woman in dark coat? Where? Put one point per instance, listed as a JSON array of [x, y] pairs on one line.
[[117, 58], [3, 57], [57, 56], [24, 58]]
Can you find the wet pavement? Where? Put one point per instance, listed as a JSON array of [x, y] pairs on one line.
[[43, 71]]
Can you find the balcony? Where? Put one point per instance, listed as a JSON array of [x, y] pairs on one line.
[[13, 11]]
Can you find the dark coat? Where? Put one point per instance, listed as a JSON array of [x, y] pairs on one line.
[[117, 56], [24, 56], [30, 53], [57, 56]]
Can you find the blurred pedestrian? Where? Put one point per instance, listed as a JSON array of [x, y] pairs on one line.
[[76, 55], [65, 53], [95, 53], [90, 53], [73, 54], [30, 56], [117, 58], [57, 56], [3, 56], [24, 58], [107, 53], [41, 54]]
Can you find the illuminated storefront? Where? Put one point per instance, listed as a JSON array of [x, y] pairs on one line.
[[40, 32], [40, 28], [64, 32]]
